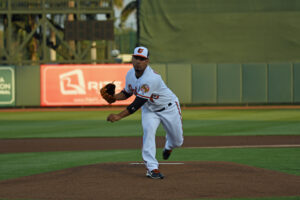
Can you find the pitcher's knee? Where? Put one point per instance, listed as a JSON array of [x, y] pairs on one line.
[[178, 142]]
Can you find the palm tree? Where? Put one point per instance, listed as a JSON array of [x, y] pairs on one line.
[[118, 3], [129, 9]]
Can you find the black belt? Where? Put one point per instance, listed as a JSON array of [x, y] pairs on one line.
[[163, 108]]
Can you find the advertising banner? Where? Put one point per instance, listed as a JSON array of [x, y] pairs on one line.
[[79, 85], [7, 86]]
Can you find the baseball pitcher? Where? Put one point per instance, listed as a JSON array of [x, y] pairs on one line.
[[159, 105]]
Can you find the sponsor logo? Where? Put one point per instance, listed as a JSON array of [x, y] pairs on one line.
[[72, 83], [79, 84], [5, 87]]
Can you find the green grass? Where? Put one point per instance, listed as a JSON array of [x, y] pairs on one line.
[[286, 160], [55, 124], [23, 164]]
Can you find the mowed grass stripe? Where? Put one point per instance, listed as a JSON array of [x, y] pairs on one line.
[[59, 124]]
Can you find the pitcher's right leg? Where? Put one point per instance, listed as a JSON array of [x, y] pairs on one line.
[[150, 122]]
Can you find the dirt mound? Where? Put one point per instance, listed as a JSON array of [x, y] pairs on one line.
[[127, 181]]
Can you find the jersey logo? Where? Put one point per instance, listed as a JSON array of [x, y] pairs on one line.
[[145, 88], [154, 96], [140, 50], [131, 89]]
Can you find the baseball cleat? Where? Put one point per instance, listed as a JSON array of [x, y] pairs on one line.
[[155, 174], [166, 154]]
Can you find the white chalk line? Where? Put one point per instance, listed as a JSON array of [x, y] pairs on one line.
[[248, 146]]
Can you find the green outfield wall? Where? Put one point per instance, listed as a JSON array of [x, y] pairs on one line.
[[28, 86], [233, 83], [277, 83]]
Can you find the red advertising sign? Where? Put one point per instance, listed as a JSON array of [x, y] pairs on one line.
[[79, 85]]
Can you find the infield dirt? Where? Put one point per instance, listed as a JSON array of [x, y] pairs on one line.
[[109, 143], [124, 181]]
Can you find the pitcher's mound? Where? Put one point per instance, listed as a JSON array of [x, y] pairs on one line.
[[128, 181]]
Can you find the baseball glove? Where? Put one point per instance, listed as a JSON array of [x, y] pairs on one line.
[[107, 93]]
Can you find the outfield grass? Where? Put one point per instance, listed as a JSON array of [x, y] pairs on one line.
[[56, 124]]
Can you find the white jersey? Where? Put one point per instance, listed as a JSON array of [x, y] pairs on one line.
[[149, 86], [162, 107]]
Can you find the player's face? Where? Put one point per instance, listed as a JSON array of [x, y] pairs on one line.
[[139, 64]]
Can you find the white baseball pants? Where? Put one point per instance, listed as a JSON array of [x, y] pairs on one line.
[[171, 120]]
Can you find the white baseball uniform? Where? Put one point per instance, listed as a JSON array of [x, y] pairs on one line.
[[162, 107]]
